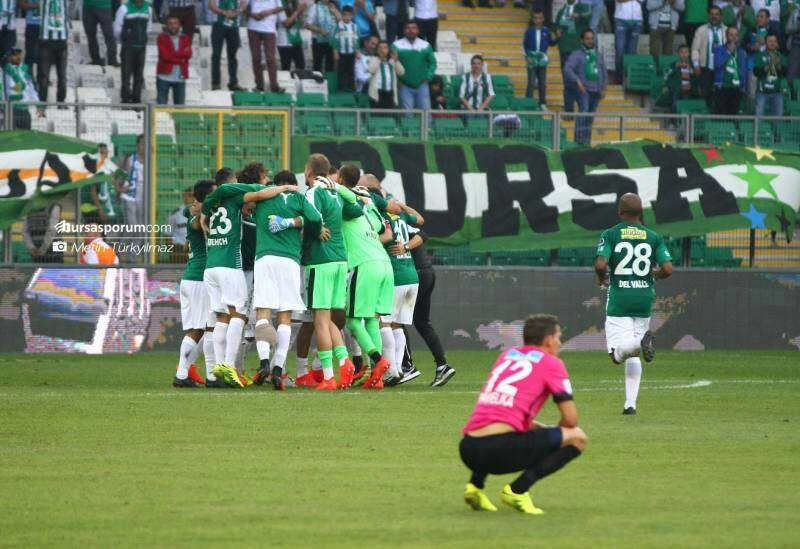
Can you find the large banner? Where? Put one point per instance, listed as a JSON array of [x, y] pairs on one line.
[[37, 168], [520, 197]]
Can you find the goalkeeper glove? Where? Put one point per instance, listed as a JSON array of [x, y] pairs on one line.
[[326, 183], [278, 223]]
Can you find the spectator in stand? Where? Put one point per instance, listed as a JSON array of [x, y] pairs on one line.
[[730, 75], [184, 11], [131, 191], [769, 69], [8, 26], [363, 57], [793, 42], [289, 39], [627, 28], [679, 78], [131, 26], [585, 80], [174, 52], [33, 22], [321, 20], [756, 38], [571, 21], [535, 44], [419, 62], [438, 100], [426, 14], [739, 15], [694, 16], [663, 18], [773, 7], [261, 28], [98, 12], [19, 86], [344, 51], [707, 39], [52, 47], [225, 29], [363, 15], [476, 91], [384, 68], [396, 14]]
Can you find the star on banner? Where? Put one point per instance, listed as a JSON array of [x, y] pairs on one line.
[[756, 218], [761, 153], [757, 181], [712, 153]]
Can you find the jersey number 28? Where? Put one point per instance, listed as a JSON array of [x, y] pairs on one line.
[[640, 254]]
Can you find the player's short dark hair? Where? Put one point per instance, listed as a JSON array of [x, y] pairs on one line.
[[285, 177], [349, 175], [537, 11], [585, 32], [224, 175], [252, 173], [773, 35], [762, 10], [203, 188], [411, 22], [347, 9], [476, 56], [318, 164], [712, 8], [538, 327]]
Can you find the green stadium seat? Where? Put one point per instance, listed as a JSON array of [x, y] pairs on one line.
[[477, 126], [342, 100], [501, 84], [314, 123], [664, 62], [501, 102], [248, 99], [272, 99], [310, 100], [692, 106], [382, 125], [344, 123], [639, 69], [362, 100], [410, 126], [332, 78], [444, 128], [524, 104]]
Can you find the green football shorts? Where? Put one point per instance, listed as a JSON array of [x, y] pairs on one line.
[[326, 285], [371, 290]]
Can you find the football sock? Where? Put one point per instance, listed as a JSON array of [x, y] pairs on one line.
[[282, 347], [187, 346], [361, 335], [633, 376], [233, 339], [208, 351], [399, 350], [243, 348], [358, 362], [302, 366], [388, 347], [548, 465], [326, 359], [220, 338], [340, 352], [626, 349], [262, 345], [375, 356], [373, 327], [478, 479]]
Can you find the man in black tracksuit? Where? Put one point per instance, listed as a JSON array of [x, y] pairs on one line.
[[422, 310]]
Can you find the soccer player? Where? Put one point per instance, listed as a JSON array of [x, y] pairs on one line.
[[278, 278], [194, 297], [626, 255], [221, 219], [406, 282], [370, 292], [325, 258], [502, 435]]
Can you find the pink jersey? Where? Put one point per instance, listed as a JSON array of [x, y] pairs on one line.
[[520, 382]]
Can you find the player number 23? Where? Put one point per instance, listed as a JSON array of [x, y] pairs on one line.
[[219, 222], [640, 256]]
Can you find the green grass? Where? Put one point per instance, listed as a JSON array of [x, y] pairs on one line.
[[100, 451]]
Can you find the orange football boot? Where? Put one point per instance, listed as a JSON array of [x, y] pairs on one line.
[[346, 373], [327, 385], [376, 378], [197, 378], [306, 380]]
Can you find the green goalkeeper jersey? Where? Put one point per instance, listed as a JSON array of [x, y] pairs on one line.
[[284, 243], [405, 272], [361, 237], [631, 250], [197, 249], [329, 204], [224, 208]]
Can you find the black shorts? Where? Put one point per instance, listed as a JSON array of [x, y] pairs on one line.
[[509, 452]]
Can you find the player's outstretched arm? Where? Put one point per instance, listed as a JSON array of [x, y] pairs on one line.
[[268, 192]]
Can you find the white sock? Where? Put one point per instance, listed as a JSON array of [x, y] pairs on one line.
[[220, 338], [627, 348], [187, 345], [262, 347], [208, 351], [194, 354], [633, 376], [282, 348], [233, 339], [302, 366], [399, 350], [327, 372], [387, 338]]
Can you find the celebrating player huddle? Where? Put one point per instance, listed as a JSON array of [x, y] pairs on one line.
[[353, 244]]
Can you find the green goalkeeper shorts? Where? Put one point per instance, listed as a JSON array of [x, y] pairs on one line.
[[326, 285], [371, 290]]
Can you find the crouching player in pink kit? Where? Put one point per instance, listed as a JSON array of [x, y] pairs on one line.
[[502, 435]]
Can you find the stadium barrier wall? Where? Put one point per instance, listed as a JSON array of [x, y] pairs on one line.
[[89, 310]]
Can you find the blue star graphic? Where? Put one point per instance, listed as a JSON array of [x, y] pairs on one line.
[[756, 218]]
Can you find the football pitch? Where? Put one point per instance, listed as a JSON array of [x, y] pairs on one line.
[[101, 451]]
